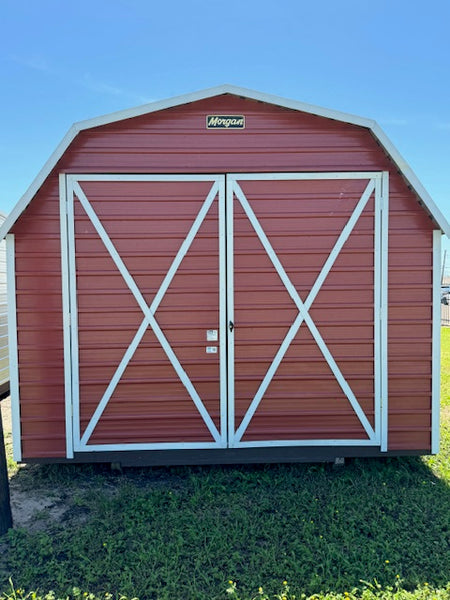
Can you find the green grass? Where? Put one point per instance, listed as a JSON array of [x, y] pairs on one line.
[[445, 371], [375, 529]]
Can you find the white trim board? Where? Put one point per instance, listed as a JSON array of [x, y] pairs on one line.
[[373, 187], [375, 129], [436, 346], [74, 191]]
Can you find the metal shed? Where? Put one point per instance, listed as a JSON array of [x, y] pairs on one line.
[[225, 276]]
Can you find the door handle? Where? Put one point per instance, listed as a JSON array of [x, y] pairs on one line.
[[231, 326]]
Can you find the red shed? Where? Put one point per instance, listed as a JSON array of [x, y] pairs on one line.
[[225, 276]]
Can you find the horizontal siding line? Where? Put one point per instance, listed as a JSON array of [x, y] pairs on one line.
[[299, 412], [319, 322], [113, 193], [149, 272], [154, 400], [193, 417], [297, 377], [165, 218], [301, 215], [316, 305], [43, 437], [392, 323], [409, 376], [183, 271], [195, 327], [295, 342], [408, 303], [181, 169], [43, 385], [143, 345], [304, 360], [145, 238], [313, 432], [49, 236], [186, 362], [202, 253], [367, 231], [411, 268], [215, 415], [396, 358], [44, 402], [409, 411], [408, 428], [147, 255], [236, 149], [40, 347], [171, 218], [136, 310], [42, 329], [37, 364], [150, 292], [39, 311], [117, 197], [306, 269], [43, 419], [413, 393], [326, 286], [215, 379], [298, 395], [409, 285], [402, 322], [399, 212], [168, 415], [164, 132]]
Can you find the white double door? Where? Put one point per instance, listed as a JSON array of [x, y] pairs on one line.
[[213, 311]]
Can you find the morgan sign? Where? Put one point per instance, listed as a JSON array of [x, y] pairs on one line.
[[225, 122]]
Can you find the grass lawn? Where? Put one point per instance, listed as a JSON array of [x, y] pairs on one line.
[[373, 529]]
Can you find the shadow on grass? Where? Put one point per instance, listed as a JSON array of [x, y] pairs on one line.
[[182, 532]]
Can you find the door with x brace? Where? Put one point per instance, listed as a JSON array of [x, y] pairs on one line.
[[147, 362], [306, 265], [213, 311]]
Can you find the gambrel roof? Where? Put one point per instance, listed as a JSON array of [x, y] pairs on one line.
[[369, 124]]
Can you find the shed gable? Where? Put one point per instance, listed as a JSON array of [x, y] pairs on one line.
[[177, 140]]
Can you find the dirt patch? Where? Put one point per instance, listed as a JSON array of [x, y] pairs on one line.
[[35, 509], [5, 406]]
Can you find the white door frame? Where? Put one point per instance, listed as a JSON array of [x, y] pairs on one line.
[[70, 188], [377, 183], [226, 435]]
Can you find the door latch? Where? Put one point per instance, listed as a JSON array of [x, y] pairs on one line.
[[231, 326]]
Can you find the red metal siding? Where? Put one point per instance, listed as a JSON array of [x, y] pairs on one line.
[[275, 139], [410, 320], [177, 141], [39, 326]]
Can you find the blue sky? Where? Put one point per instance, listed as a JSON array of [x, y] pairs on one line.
[[62, 62]]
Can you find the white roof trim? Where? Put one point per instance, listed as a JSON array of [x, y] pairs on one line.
[[216, 91]]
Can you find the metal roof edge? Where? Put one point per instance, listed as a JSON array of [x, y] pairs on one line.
[[412, 179], [209, 93], [226, 88], [38, 181]]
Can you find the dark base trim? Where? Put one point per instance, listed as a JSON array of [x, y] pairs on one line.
[[4, 390], [292, 454]]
